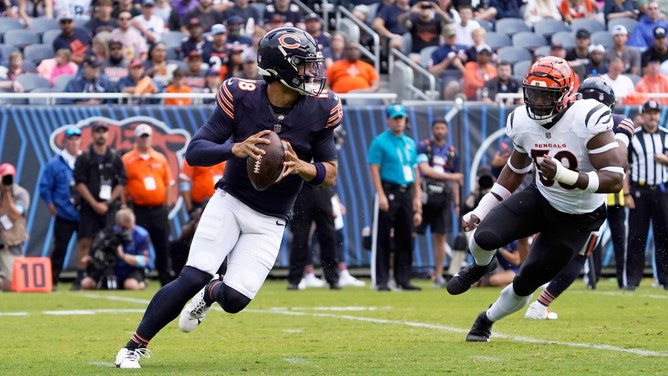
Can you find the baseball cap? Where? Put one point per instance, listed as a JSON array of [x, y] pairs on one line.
[[582, 34], [619, 29], [148, 3], [194, 22], [218, 29], [213, 72], [72, 132], [64, 16], [484, 47], [311, 17], [396, 110], [194, 54], [249, 56], [92, 61], [136, 62], [596, 48], [99, 125], [113, 42], [143, 130], [7, 169], [651, 106], [659, 32], [449, 30], [235, 20]]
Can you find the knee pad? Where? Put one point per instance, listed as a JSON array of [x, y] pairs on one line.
[[520, 287], [487, 239], [233, 301]]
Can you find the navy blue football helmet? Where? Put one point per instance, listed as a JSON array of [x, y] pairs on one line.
[[597, 88], [291, 56]]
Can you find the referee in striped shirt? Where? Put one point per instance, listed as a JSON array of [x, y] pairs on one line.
[[648, 199]]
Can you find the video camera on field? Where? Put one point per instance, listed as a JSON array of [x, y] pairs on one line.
[[104, 252]]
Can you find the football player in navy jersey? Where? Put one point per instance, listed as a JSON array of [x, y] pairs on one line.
[[240, 223], [623, 127], [572, 145]]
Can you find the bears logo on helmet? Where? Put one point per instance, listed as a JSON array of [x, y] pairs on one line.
[[548, 89], [597, 88], [291, 56]]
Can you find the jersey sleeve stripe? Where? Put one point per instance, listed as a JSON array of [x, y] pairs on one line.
[[225, 100], [594, 110], [335, 116]]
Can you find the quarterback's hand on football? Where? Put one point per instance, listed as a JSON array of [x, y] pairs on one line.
[[292, 163], [470, 221], [248, 147]]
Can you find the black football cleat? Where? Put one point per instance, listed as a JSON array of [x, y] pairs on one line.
[[465, 278], [481, 329]]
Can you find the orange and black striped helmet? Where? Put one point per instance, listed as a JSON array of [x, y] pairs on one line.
[[548, 86]]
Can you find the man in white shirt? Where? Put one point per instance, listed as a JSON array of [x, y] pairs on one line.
[[148, 24], [621, 84]]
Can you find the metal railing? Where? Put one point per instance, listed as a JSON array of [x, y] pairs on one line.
[[373, 55], [432, 93], [124, 98]]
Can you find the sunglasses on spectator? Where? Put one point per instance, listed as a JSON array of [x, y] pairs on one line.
[[124, 19], [65, 21]]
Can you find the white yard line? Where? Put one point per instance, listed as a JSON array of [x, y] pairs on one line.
[[309, 311]]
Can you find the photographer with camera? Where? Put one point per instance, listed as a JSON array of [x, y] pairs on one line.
[[14, 203], [438, 163], [119, 256]]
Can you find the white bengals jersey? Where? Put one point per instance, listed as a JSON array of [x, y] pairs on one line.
[[566, 141]]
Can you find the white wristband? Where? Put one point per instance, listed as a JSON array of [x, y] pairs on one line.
[[500, 191], [487, 203], [592, 186], [564, 175]]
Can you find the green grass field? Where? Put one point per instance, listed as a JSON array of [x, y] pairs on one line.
[[355, 331]]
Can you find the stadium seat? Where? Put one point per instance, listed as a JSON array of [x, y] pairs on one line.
[[528, 39], [20, 38], [41, 24], [173, 53], [260, 7], [408, 43], [542, 51], [589, 24], [28, 66], [497, 40], [511, 26], [38, 52], [513, 54], [7, 24], [628, 23], [61, 81], [566, 38], [349, 28], [6, 50], [488, 26], [179, 64], [549, 26], [49, 35], [602, 37], [521, 68], [32, 81], [173, 39], [425, 55]]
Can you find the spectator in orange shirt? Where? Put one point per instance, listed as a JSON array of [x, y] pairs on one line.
[[476, 73], [652, 82], [352, 74], [196, 184], [178, 86], [149, 193]]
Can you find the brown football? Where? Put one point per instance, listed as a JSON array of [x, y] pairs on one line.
[[268, 169]]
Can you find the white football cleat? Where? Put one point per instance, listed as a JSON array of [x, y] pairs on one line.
[[129, 358], [345, 279], [312, 281], [194, 312], [537, 311]]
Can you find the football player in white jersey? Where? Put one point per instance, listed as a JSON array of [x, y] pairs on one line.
[[572, 145]]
